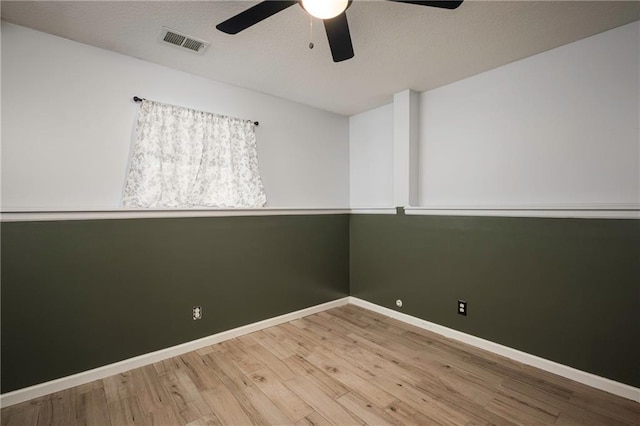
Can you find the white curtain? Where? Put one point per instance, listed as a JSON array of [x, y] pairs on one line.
[[188, 158]]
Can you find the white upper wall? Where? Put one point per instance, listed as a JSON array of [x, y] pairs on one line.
[[558, 128], [561, 127], [68, 122], [371, 157]]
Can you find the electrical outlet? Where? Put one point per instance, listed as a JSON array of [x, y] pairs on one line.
[[197, 312], [462, 307]]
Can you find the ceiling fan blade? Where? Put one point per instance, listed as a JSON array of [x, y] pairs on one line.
[[441, 4], [253, 15], [339, 37]]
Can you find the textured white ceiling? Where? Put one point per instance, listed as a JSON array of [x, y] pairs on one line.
[[397, 46]]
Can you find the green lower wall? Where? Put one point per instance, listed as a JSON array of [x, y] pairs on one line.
[[81, 294], [564, 289]]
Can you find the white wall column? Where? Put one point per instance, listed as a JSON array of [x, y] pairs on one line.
[[406, 127]]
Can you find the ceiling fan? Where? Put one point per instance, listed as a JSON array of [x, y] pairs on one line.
[[332, 12]]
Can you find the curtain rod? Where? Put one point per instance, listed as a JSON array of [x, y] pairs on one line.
[[139, 99]]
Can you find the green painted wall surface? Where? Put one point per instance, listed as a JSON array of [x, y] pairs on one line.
[[564, 289], [81, 294]]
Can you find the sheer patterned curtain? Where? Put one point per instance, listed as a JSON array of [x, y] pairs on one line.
[[188, 158]]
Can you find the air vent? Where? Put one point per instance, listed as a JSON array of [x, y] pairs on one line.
[[184, 41]]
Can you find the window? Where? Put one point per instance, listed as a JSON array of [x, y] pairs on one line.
[[186, 158]]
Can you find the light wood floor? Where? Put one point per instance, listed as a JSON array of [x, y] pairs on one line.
[[343, 366]]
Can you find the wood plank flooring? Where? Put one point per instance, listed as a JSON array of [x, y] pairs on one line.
[[345, 366]]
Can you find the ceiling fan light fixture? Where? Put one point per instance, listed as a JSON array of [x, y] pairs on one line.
[[331, 12], [325, 9]]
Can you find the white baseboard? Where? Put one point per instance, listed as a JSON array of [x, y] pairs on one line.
[[62, 383], [602, 383]]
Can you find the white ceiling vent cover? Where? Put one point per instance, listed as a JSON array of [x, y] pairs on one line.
[[184, 41]]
